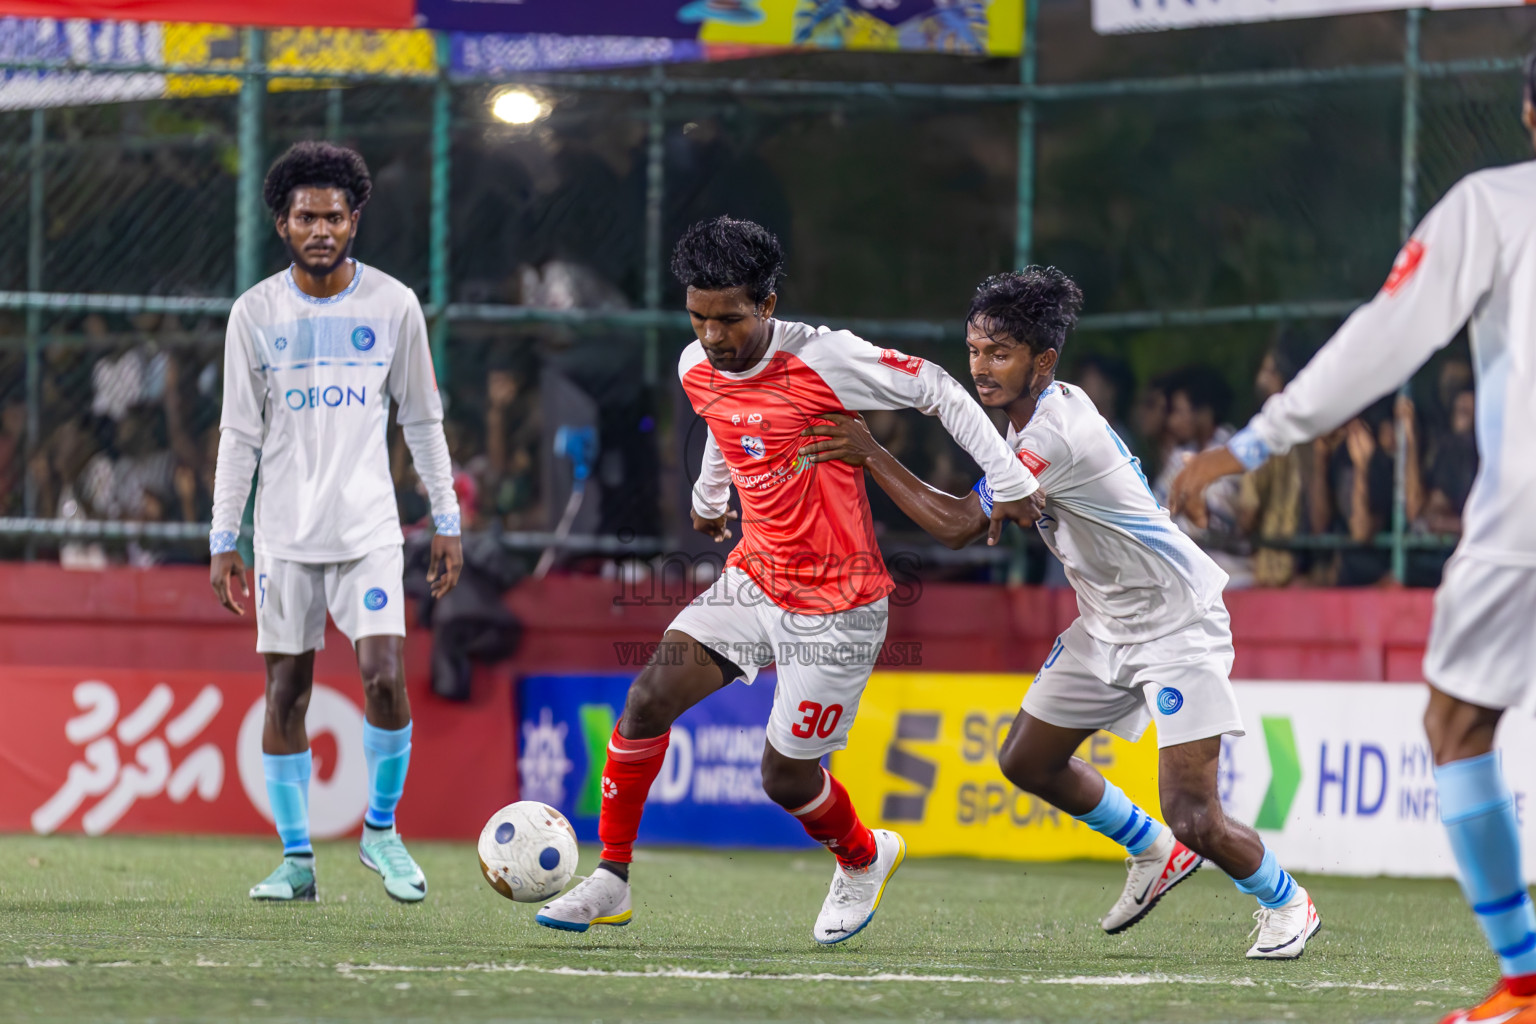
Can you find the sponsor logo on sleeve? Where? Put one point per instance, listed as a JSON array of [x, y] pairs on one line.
[[910, 365], [1405, 266], [1032, 462]]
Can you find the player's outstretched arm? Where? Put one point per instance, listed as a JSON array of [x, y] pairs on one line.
[[954, 522]]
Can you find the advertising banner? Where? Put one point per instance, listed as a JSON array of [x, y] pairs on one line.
[[115, 750], [99, 42], [922, 759], [1338, 777], [333, 13], [1155, 15], [992, 27], [710, 790]]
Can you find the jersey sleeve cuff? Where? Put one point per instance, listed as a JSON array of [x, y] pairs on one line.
[[447, 524], [1249, 448], [221, 541]]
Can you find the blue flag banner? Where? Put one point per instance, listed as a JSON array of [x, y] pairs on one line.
[[710, 790]]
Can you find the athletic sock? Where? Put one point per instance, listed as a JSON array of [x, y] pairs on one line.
[[831, 820], [388, 753], [1122, 821], [1271, 885], [632, 767], [1478, 811], [287, 778]]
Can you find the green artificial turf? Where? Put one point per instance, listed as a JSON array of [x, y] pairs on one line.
[[160, 929]]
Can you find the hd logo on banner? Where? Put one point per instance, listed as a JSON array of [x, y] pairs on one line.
[[922, 759], [710, 790]]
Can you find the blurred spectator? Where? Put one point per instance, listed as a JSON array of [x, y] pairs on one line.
[[513, 429], [1352, 495], [13, 443], [1109, 384], [132, 477], [1453, 468], [1199, 400], [1154, 446], [1270, 498], [134, 376]]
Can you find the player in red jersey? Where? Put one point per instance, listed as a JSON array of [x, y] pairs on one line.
[[806, 587]]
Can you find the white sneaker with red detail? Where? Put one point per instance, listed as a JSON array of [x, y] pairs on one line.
[[855, 895], [1150, 874], [1283, 931]]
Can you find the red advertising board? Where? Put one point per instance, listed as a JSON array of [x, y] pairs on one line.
[[103, 750], [331, 14]]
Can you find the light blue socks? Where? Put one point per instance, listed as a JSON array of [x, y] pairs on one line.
[[1478, 811], [388, 752], [287, 778], [1122, 821], [1271, 885]]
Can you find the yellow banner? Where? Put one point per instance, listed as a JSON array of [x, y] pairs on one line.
[[311, 50], [922, 759]]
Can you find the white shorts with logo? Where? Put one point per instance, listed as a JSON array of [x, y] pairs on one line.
[[1182, 679], [824, 661], [366, 597], [1482, 643]]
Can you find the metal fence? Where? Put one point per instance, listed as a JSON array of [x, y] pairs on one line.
[[127, 227]]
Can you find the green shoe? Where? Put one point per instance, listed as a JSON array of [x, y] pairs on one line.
[[294, 879], [382, 850]]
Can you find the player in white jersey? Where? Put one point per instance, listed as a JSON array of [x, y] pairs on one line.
[[313, 358], [1151, 641], [1473, 258]]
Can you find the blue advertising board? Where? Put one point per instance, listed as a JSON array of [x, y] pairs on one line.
[[710, 790]]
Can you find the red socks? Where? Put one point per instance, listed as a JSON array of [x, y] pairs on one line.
[[831, 821], [632, 767]]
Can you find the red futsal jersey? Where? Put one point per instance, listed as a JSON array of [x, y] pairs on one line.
[[807, 536]]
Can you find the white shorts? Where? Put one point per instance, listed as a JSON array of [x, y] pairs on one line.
[[824, 661], [1183, 679], [366, 597], [1482, 644]]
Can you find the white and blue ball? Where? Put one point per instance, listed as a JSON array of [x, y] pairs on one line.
[[527, 851]]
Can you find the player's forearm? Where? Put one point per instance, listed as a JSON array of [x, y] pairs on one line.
[[954, 522], [232, 476], [968, 424], [429, 453]]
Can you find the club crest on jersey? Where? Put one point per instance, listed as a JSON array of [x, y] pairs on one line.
[[909, 365], [753, 446], [1405, 266], [363, 338]]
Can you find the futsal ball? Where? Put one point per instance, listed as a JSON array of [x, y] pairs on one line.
[[527, 851]]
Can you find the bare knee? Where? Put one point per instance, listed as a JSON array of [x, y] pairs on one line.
[[790, 782], [287, 701], [383, 679], [1027, 770], [1458, 730], [651, 706]]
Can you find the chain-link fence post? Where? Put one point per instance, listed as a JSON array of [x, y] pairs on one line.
[[35, 214], [1407, 215], [442, 168], [1024, 220], [248, 219], [655, 197]]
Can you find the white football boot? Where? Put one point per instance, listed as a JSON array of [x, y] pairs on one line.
[[1151, 873], [1283, 932], [601, 898], [855, 895]]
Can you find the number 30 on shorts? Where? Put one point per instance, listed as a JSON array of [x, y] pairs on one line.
[[818, 721]]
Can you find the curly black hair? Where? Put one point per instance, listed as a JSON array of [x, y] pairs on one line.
[[729, 253], [316, 165], [1036, 306]]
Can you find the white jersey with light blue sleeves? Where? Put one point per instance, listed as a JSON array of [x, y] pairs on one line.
[[307, 384], [1137, 576], [1471, 261]]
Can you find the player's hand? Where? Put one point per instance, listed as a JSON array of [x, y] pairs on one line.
[[1187, 496], [847, 440], [447, 562], [226, 567], [1025, 511], [718, 528]]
